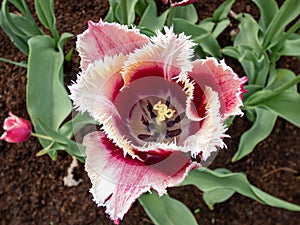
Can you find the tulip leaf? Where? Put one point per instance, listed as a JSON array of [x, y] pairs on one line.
[[110, 16], [125, 11], [217, 196], [222, 11], [208, 180], [286, 105], [248, 33], [291, 46], [71, 127], [188, 13], [61, 142], [286, 14], [45, 12], [261, 129], [150, 20], [46, 97], [166, 210], [268, 9], [205, 40]]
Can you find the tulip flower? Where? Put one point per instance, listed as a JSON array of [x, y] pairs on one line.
[[16, 129], [179, 3], [159, 110]]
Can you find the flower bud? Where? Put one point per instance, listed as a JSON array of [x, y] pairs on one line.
[[16, 129]]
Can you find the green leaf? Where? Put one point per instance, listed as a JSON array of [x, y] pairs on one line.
[[150, 20], [125, 11], [46, 97], [222, 11], [208, 180], [261, 129], [61, 142], [45, 12], [19, 42], [111, 17], [248, 33], [188, 13], [75, 124], [166, 210], [217, 196], [201, 36], [287, 13], [291, 46], [268, 9], [286, 105], [220, 27], [283, 76], [21, 64]]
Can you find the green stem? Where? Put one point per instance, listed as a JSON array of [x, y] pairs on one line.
[[287, 85], [24, 65], [272, 93], [294, 28], [42, 136], [170, 16]]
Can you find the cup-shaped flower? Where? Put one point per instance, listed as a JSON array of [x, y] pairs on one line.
[[157, 106], [16, 129], [179, 3]]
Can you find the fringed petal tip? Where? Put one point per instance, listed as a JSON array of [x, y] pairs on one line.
[[210, 137], [117, 181], [222, 79], [168, 54], [108, 39]]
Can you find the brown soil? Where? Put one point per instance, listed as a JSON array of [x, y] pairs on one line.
[[32, 189]]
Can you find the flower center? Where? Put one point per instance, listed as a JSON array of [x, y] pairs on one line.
[[163, 112], [152, 120]]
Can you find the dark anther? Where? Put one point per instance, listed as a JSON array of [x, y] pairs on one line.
[[148, 137], [173, 133], [178, 118], [150, 108], [144, 136], [168, 101], [144, 121]]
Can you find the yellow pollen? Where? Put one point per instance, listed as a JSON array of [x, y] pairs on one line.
[[163, 111]]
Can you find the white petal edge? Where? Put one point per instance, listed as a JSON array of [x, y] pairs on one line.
[[211, 134], [169, 48]]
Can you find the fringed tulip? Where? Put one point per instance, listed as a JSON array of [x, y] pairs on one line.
[[157, 106]]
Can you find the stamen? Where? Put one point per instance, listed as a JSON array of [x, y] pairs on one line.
[[163, 111], [150, 109], [171, 123], [148, 137], [173, 133], [168, 101]]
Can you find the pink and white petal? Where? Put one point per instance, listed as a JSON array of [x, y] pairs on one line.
[[117, 181], [100, 83], [107, 39], [221, 78], [94, 92], [168, 55], [182, 3], [211, 134]]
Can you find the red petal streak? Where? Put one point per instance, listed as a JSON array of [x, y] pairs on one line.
[[107, 39], [221, 78], [118, 181]]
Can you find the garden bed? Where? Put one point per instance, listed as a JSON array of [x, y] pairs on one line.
[[32, 190]]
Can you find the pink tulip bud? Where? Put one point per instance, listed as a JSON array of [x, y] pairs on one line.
[[17, 129]]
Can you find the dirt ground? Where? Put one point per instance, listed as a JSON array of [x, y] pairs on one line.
[[32, 189]]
